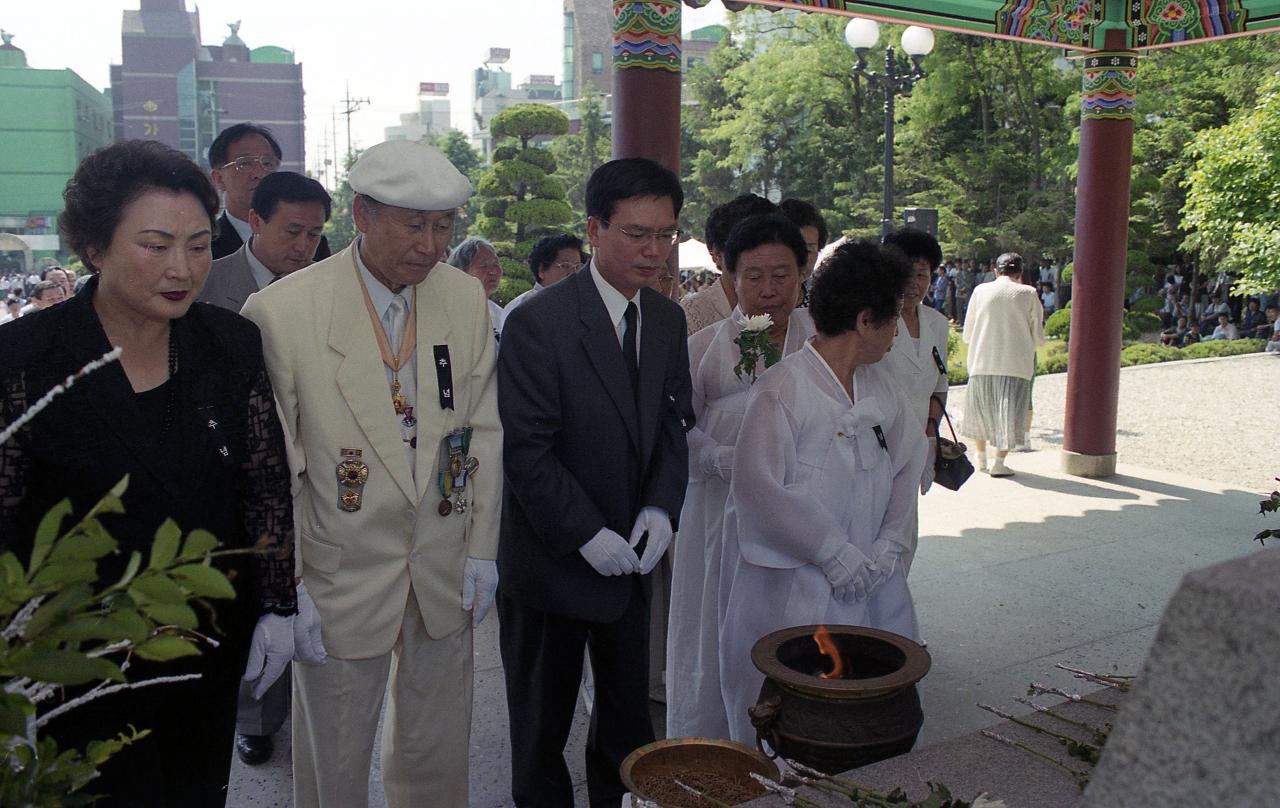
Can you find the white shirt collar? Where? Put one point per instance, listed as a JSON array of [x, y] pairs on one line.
[[261, 275], [614, 301], [242, 227], [379, 294]]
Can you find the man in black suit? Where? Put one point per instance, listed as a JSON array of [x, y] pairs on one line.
[[239, 157], [594, 394]]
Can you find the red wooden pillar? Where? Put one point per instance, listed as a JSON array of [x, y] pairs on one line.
[[1101, 248], [646, 84]]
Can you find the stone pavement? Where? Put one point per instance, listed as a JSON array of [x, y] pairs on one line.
[[1012, 575]]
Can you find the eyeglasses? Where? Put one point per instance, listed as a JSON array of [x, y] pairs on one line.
[[568, 266], [639, 237], [267, 164]]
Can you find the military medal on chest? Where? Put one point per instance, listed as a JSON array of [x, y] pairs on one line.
[[353, 473], [456, 469]]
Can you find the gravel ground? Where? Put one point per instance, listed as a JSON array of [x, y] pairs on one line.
[[1213, 418]]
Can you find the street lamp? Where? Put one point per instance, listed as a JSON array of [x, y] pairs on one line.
[[861, 35]]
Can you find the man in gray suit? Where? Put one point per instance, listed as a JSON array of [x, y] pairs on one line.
[[287, 217]]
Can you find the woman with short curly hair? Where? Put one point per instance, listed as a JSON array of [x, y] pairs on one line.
[[188, 415], [825, 475]]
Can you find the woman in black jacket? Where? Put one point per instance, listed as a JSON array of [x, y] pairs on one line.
[[188, 415]]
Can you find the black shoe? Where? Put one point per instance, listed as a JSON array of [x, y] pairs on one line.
[[254, 749]]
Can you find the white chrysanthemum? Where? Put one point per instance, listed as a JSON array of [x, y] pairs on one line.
[[757, 322]]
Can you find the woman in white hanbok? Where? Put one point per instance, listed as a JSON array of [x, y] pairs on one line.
[[764, 255], [918, 359], [826, 471]]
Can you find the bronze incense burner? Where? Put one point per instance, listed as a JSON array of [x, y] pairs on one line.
[[838, 697]]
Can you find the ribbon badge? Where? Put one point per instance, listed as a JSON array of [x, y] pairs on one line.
[[456, 469]]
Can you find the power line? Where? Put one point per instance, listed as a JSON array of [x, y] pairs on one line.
[[350, 106]]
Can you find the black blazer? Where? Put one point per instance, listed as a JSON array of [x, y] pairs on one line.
[[228, 241], [579, 452], [90, 437], [94, 434]]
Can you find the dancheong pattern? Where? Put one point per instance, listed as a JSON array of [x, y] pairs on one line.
[[646, 35], [1110, 85], [1069, 22], [1159, 22]]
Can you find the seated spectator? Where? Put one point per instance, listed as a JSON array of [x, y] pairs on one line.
[[1273, 344], [1048, 299], [1210, 316], [1226, 329], [1273, 317], [1254, 323], [1175, 335]]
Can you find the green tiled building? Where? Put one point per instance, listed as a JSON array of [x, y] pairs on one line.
[[49, 120]]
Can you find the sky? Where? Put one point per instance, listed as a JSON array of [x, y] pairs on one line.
[[382, 53]]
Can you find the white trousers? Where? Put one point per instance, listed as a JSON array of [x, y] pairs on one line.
[[426, 735]]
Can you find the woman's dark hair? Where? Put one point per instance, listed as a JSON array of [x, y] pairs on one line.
[[1009, 263], [724, 218], [545, 251], [111, 178], [804, 214], [858, 275], [765, 228], [627, 178], [917, 243]]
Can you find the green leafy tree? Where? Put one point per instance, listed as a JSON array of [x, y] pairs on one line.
[[341, 228], [520, 197], [579, 153], [1232, 212], [457, 147]]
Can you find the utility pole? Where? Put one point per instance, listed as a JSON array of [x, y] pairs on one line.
[[350, 105]]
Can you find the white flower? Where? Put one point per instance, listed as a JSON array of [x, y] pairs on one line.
[[757, 322]]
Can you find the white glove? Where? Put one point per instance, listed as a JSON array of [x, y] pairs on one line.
[[479, 585], [849, 573], [657, 524], [610, 554], [886, 557], [718, 462], [269, 651], [308, 647]]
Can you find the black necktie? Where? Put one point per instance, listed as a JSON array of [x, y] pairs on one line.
[[629, 348]]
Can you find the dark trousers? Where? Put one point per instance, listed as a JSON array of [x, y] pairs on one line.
[[542, 658]]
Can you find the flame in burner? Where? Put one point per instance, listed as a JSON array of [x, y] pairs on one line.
[[827, 645]]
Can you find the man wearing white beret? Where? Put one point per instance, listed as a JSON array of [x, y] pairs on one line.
[[382, 360]]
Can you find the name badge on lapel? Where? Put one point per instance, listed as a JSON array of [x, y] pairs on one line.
[[353, 473], [444, 376], [210, 418]]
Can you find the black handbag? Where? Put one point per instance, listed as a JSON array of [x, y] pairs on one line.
[[951, 467]]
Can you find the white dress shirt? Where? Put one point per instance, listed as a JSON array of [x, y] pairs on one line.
[[242, 227], [381, 297], [616, 304], [261, 275]]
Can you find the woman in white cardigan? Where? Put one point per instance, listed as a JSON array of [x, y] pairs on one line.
[[1003, 328]]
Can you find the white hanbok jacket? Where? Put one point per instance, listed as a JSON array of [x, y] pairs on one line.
[[810, 474], [912, 365], [694, 704]]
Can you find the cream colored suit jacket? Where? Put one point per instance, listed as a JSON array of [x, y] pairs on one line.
[[332, 391]]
